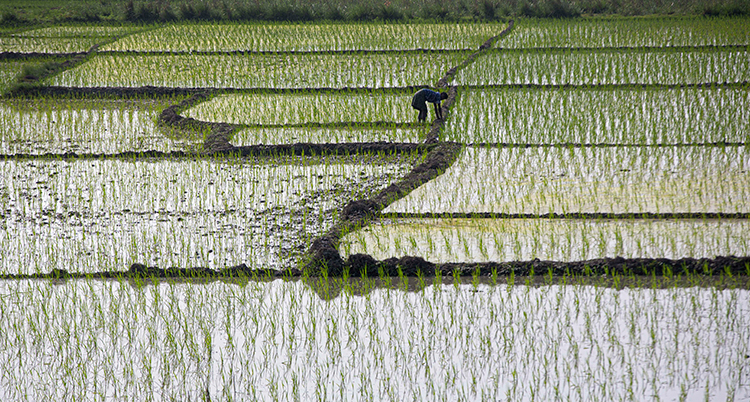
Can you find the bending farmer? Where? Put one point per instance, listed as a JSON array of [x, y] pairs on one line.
[[426, 95]]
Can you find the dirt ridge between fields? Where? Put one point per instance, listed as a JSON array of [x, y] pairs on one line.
[[574, 215], [278, 52], [360, 265]]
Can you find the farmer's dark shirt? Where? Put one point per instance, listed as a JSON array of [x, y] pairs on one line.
[[425, 95]]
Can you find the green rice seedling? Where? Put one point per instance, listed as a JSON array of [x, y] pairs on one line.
[[585, 67], [281, 339], [48, 45], [80, 31], [259, 70], [628, 32], [540, 180], [103, 215], [54, 125], [60, 39], [291, 135], [308, 37], [306, 108], [601, 116]]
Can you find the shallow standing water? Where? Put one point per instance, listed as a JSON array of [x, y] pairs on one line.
[[96, 340]]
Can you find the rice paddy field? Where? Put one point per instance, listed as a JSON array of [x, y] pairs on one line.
[[164, 196]]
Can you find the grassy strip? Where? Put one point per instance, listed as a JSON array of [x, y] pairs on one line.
[[22, 12]]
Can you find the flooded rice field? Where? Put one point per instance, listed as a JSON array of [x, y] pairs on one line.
[[333, 135], [486, 240], [616, 142], [633, 116], [104, 215], [305, 108], [292, 37], [313, 340], [608, 67], [89, 126], [282, 70], [563, 180]]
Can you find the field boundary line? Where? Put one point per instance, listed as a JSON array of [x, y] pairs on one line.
[[603, 145], [487, 45], [612, 49], [21, 55], [572, 216], [280, 52], [362, 265], [145, 91], [578, 87], [53, 68]]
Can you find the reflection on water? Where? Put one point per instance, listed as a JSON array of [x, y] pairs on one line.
[[380, 339]]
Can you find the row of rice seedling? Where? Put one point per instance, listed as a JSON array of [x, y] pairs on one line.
[[47, 45], [601, 115], [104, 340], [494, 240], [102, 215], [292, 135], [563, 180], [61, 39], [307, 37], [9, 71], [584, 67], [58, 125], [628, 32], [259, 70], [320, 107], [78, 31]]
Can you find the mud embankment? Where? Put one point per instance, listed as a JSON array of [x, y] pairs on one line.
[[576, 215], [350, 52], [361, 265]]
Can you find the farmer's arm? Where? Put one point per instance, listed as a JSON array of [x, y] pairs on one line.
[[438, 111]]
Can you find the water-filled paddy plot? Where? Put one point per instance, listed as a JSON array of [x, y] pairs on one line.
[[69, 39], [89, 126], [665, 116], [242, 336], [608, 66], [305, 108], [313, 117], [280, 340], [609, 180], [281, 70], [103, 215], [502, 240], [628, 32], [307, 37]]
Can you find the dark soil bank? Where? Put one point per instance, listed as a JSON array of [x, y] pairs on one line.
[[360, 265]]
